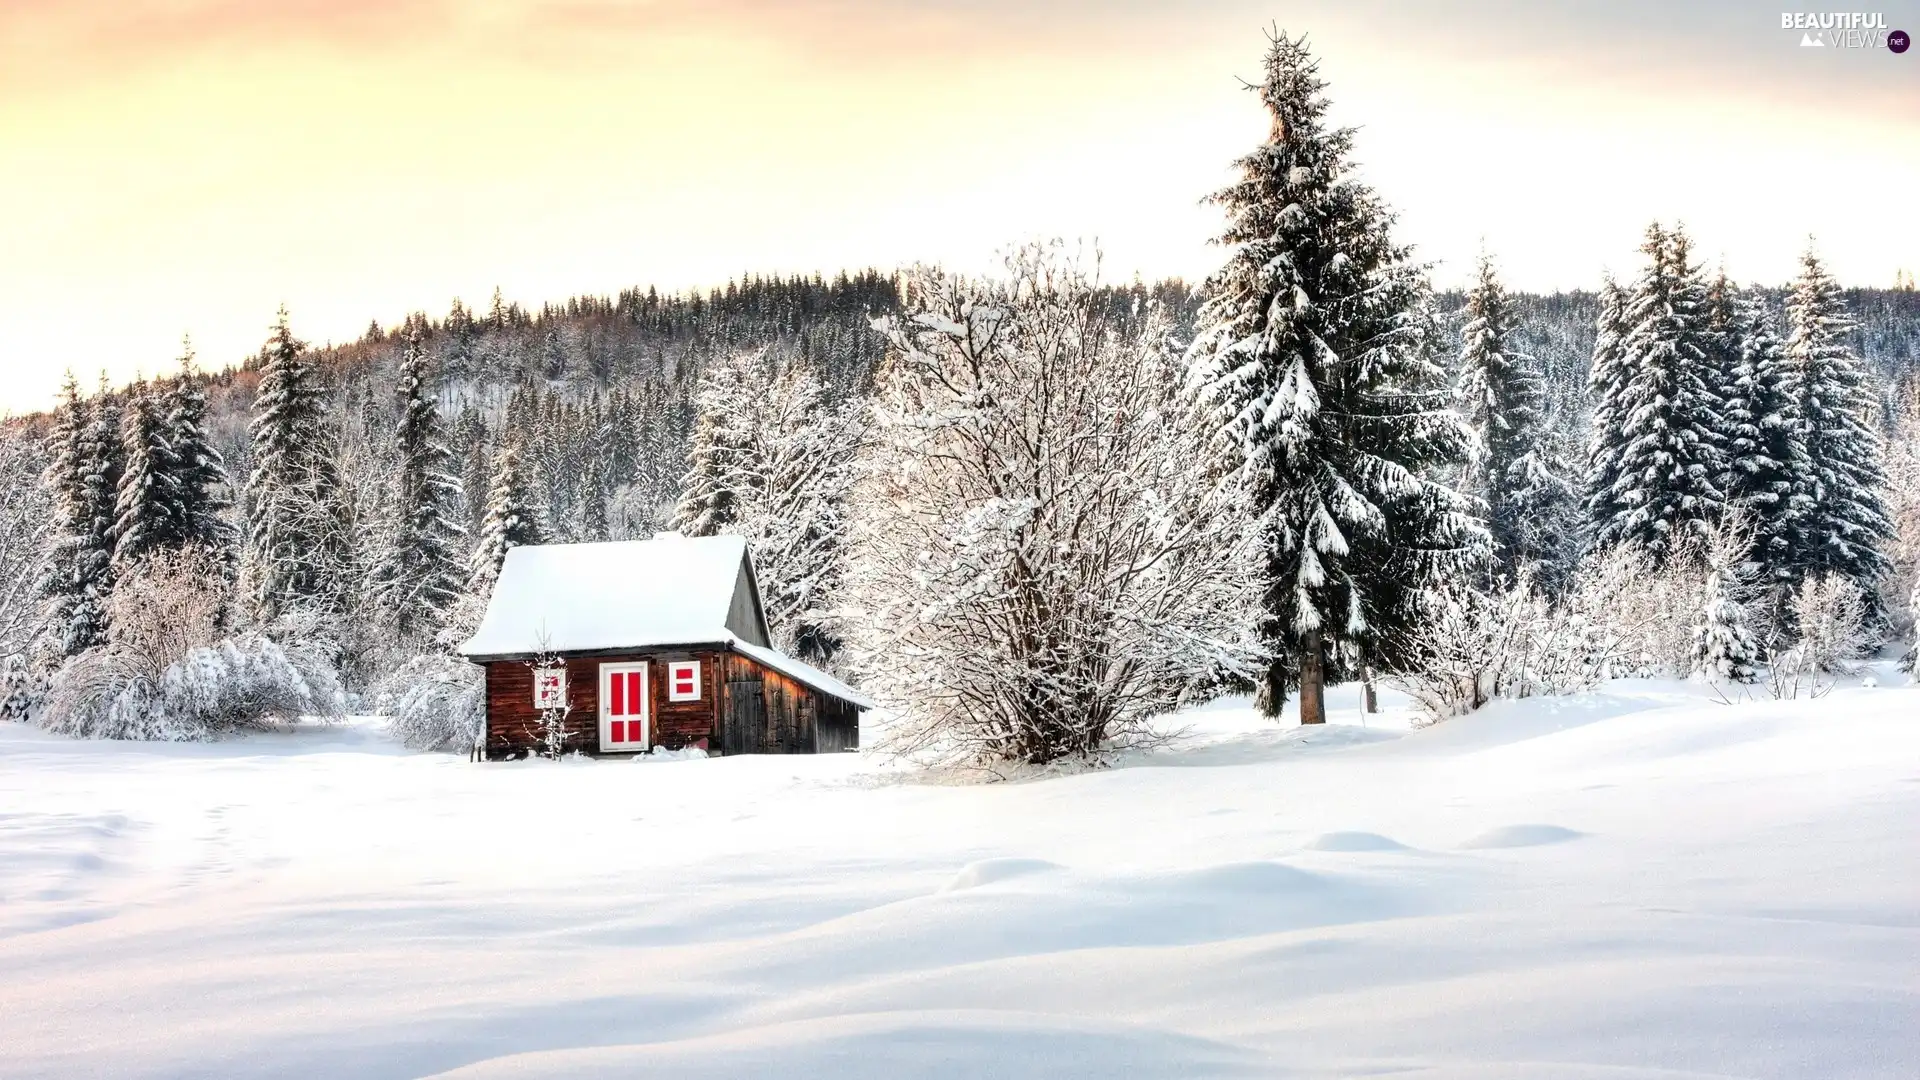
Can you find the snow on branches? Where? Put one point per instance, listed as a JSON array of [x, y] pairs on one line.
[[1046, 555], [771, 460]]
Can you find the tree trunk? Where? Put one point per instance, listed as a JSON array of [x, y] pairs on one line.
[[1368, 702], [1270, 695], [1313, 680]]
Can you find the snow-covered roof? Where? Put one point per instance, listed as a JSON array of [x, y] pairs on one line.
[[631, 594], [802, 673], [671, 590]]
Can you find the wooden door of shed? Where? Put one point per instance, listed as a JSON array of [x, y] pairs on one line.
[[743, 719]]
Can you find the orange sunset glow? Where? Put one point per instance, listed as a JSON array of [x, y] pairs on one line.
[[186, 166]]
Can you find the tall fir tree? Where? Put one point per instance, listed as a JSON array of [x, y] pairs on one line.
[[1664, 455], [420, 572], [147, 505], [296, 549], [80, 579], [1842, 522], [1315, 364], [205, 491], [719, 453], [1760, 417], [1606, 384], [592, 500], [513, 520], [1501, 395]]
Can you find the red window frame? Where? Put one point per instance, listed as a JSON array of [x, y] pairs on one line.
[[683, 680]]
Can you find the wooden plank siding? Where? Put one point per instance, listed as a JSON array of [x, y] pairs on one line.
[[744, 708]]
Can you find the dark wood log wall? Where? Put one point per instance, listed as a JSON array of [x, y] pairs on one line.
[[743, 708], [513, 725]]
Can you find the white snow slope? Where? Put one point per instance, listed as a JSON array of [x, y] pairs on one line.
[[1634, 883]]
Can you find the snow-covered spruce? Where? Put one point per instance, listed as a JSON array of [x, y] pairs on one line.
[[82, 481], [1840, 514], [297, 551], [419, 572], [1724, 649], [1529, 505], [512, 520], [1658, 436], [1760, 412], [1315, 360], [203, 490], [1046, 555], [772, 461], [147, 504]]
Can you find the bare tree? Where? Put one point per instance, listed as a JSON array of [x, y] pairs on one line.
[[1042, 559]]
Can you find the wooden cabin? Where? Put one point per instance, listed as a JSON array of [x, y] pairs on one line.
[[649, 643]]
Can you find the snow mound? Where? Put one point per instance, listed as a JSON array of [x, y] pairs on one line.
[[988, 871], [888, 1045], [1355, 841], [688, 753], [1249, 877], [1513, 836]]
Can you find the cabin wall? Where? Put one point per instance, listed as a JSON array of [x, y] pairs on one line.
[[513, 725], [743, 708], [765, 712], [838, 726]]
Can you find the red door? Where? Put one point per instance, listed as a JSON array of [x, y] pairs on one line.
[[624, 701]]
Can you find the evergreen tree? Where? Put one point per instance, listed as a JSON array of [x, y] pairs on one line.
[[1501, 395], [771, 461], [709, 501], [1666, 460], [296, 548], [1606, 388], [1761, 426], [512, 521], [593, 500], [1842, 521], [147, 505], [1315, 365], [421, 571], [1723, 648], [203, 483], [80, 580]]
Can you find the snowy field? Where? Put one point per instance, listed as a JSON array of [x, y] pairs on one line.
[[1641, 882]]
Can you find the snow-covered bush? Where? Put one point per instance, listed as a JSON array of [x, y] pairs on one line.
[[240, 684], [165, 674], [1514, 643], [436, 703], [1620, 616], [1041, 560], [1830, 615]]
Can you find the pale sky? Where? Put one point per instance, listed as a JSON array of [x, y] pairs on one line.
[[187, 166]]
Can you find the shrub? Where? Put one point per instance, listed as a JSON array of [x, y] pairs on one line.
[[245, 683], [435, 703]]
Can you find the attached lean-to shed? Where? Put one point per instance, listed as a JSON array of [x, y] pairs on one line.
[[649, 643]]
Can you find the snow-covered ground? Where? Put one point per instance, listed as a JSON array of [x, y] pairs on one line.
[[1640, 882]]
